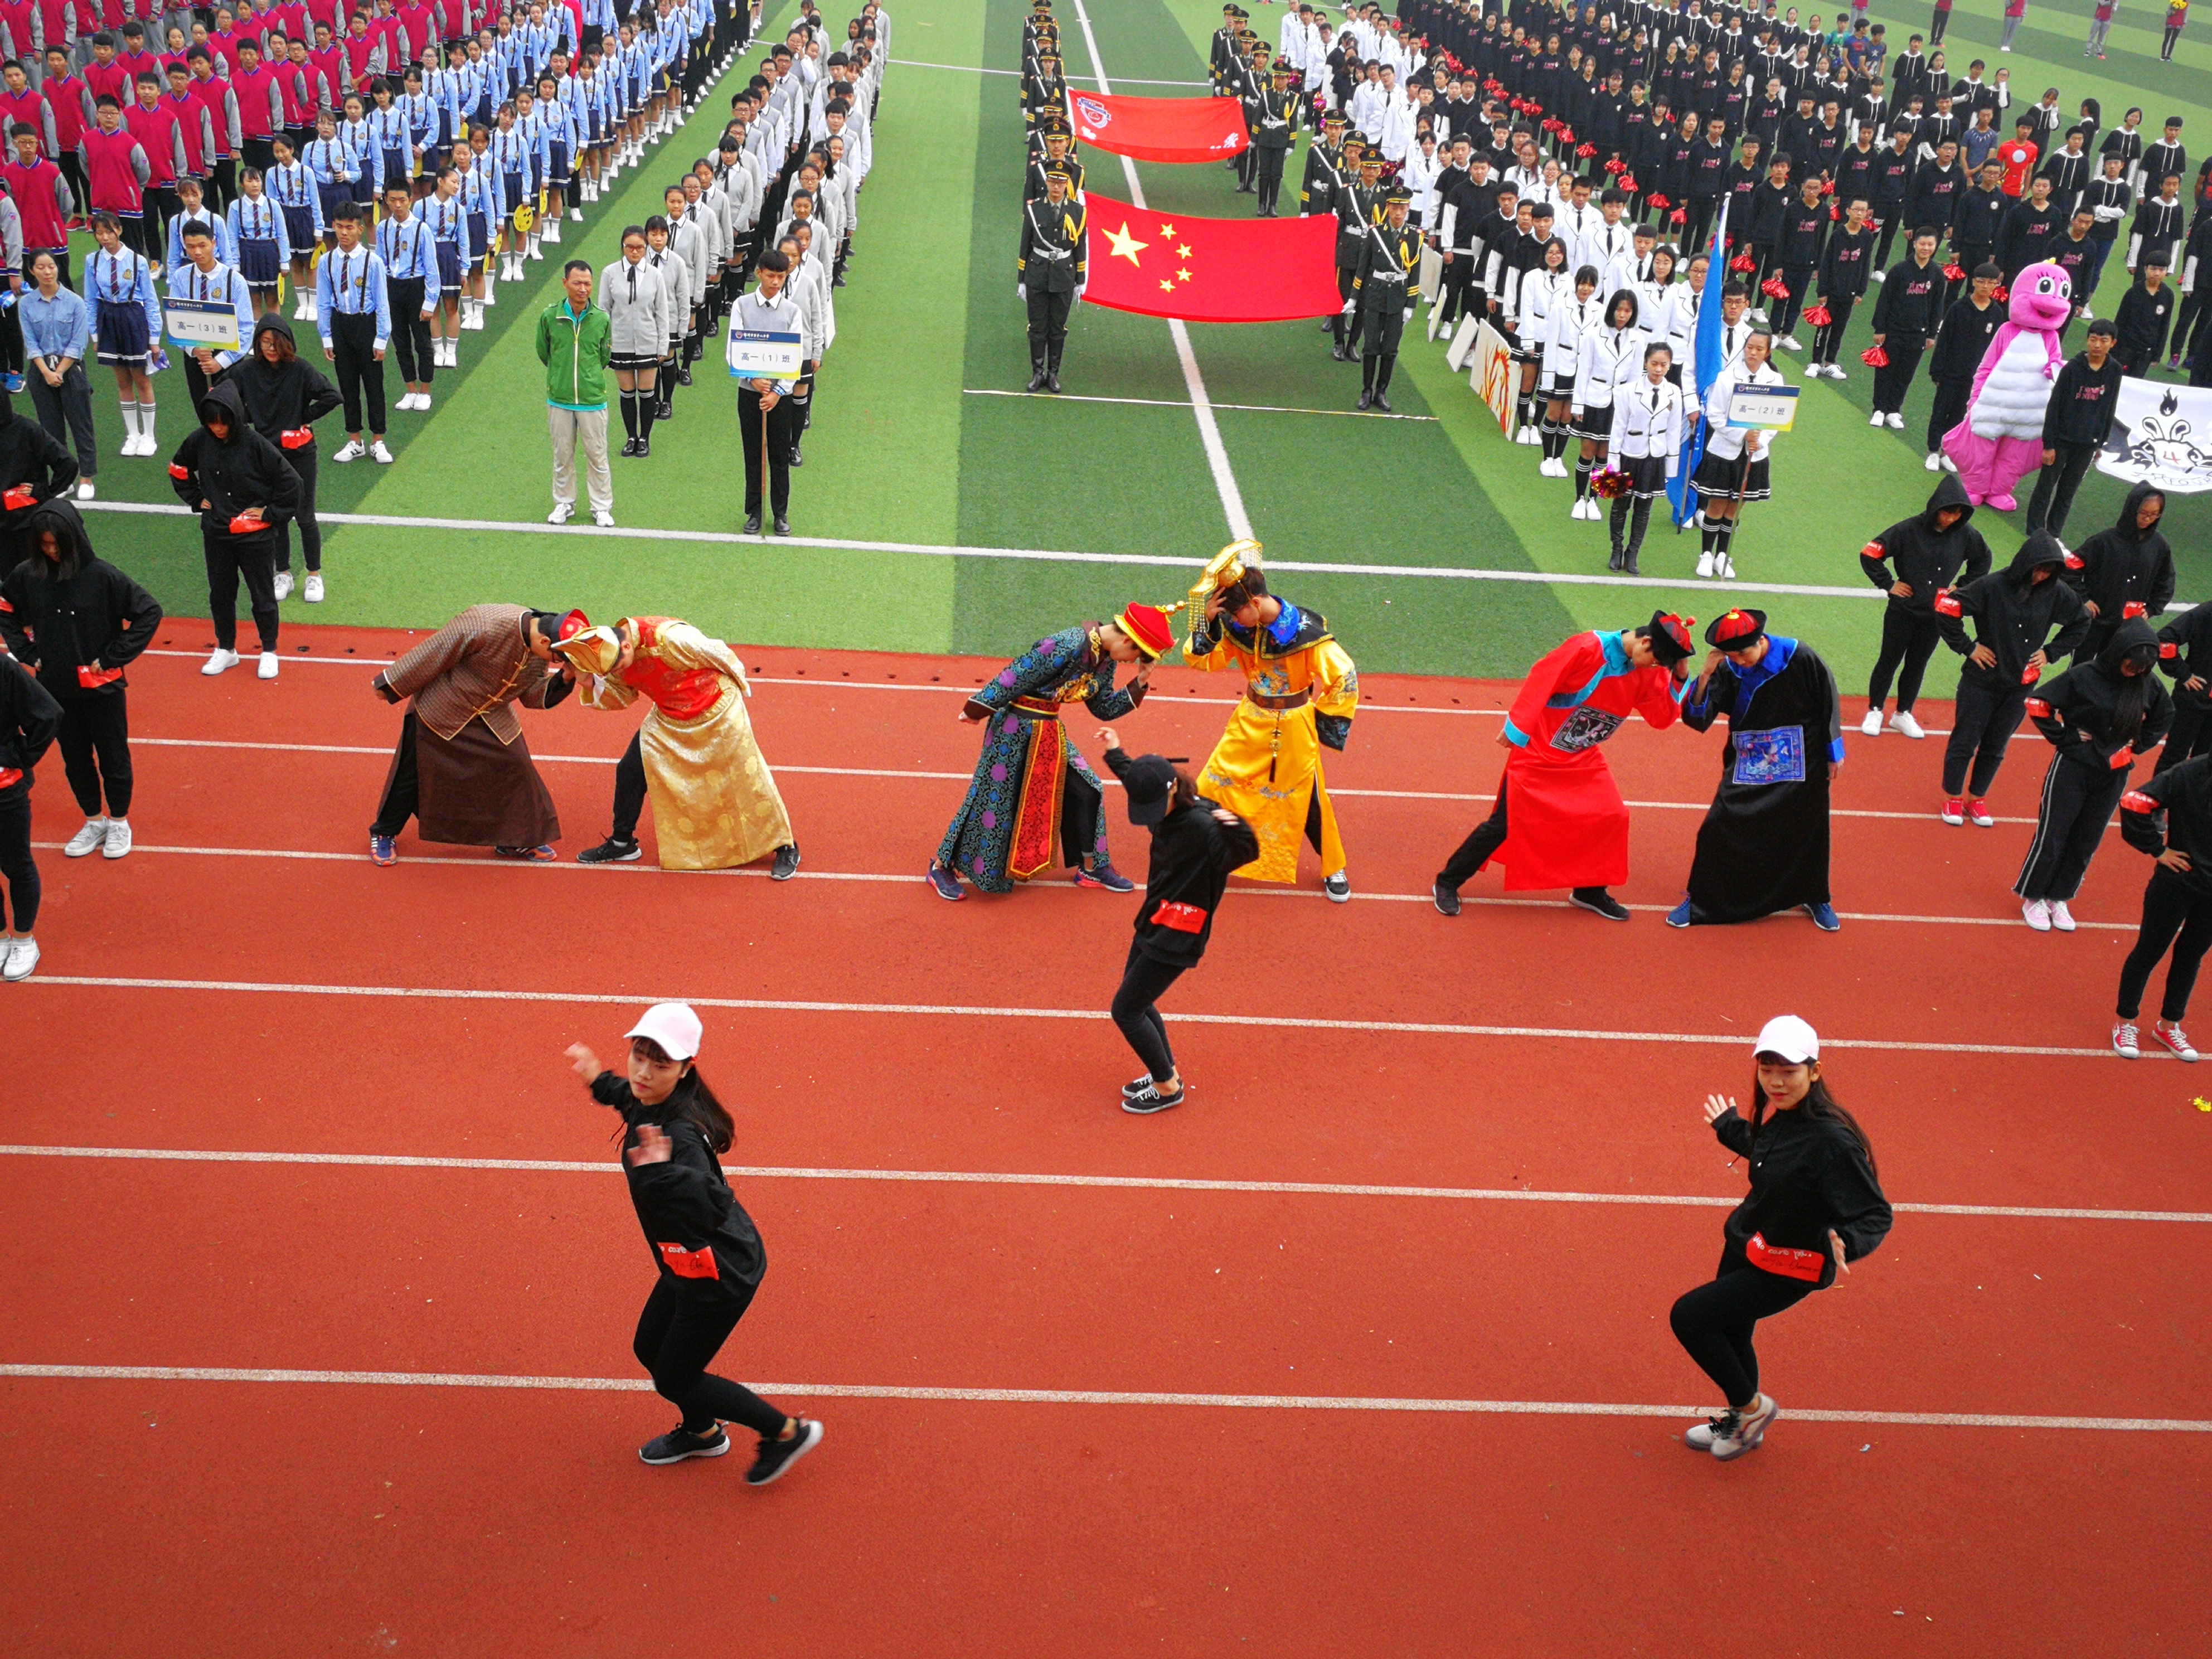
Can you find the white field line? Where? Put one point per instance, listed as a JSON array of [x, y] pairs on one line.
[[1209, 430], [968, 1010], [1000, 1178], [1094, 1397], [1110, 781], [1177, 402]]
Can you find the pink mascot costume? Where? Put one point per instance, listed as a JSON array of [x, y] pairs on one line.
[[2000, 442]]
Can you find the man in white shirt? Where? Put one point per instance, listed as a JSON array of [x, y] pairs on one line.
[[767, 420]]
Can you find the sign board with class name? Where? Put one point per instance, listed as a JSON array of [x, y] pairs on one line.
[[1763, 408], [761, 355], [198, 325]]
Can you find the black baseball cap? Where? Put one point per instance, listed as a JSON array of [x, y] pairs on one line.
[[1150, 783]]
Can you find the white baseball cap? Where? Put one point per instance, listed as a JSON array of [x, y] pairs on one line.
[[676, 1028], [1784, 1034]]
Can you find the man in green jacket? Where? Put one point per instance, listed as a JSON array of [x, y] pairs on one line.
[[576, 340]]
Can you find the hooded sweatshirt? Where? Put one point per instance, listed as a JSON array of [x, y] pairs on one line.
[[220, 478], [1925, 556], [2185, 651], [2174, 809], [2077, 711], [2124, 566], [80, 630], [2012, 618], [281, 398], [29, 460]]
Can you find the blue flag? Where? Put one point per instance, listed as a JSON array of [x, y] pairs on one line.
[[1705, 369]]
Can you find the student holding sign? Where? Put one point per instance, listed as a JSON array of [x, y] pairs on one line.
[[767, 345], [210, 310]]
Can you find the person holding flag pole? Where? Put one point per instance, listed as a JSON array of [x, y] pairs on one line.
[[1706, 362]]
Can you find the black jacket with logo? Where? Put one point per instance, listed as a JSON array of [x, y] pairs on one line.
[[80, 615]]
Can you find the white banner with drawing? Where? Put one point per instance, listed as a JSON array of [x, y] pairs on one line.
[[2161, 435]]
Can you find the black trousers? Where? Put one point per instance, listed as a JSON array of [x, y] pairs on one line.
[[360, 377], [1947, 410], [95, 746], [1476, 850], [18, 869], [1893, 382], [2055, 486], [2190, 736], [1271, 179], [778, 429], [1048, 327], [410, 331], [1981, 725], [1798, 279], [1462, 293], [2077, 804], [1830, 340], [1942, 23], [1909, 638], [678, 1335], [311, 531], [228, 558], [629, 791], [2173, 913], [1144, 981], [1714, 1323], [65, 411]]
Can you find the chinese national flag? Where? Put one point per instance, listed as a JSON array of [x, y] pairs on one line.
[[1159, 129], [1209, 271]]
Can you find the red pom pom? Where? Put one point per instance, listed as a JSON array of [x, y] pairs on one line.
[[1874, 357], [1660, 200], [1818, 316], [1567, 135], [1954, 272], [1616, 165], [2002, 295], [1743, 262], [1609, 484], [1827, 187], [1834, 213], [1775, 289], [1628, 182], [1679, 216]]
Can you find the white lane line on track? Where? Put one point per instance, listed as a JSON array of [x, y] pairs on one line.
[[1110, 781], [1209, 430], [1097, 1397], [1000, 1178], [969, 1011], [894, 877], [1177, 402]]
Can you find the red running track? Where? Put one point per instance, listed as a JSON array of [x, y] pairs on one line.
[[290, 1518]]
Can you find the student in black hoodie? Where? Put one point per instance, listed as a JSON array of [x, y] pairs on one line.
[[2014, 610], [2076, 421], [706, 1251], [243, 489], [2185, 653], [1195, 844], [2100, 716], [29, 718], [284, 397], [80, 623], [2126, 571], [34, 467], [1960, 344], [1815, 1206], [2169, 817], [1914, 562], [2144, 313]]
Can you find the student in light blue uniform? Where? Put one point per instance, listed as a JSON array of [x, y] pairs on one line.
[[293, 187], [259, 234]]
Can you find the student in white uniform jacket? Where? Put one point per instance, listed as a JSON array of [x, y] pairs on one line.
[[1648, 419], [1609, 356], [1735, 468], [1564, 328]]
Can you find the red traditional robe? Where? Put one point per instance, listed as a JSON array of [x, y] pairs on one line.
[[1566, 824]]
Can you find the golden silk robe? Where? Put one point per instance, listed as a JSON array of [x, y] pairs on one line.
[[714, 802], [1267, 768]]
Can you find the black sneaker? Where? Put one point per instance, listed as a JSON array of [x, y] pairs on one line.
[[1446, 898], [1149, 1099], [777, 1455], [679, 1442], [611, 851], [1136, 1085], [787, 863], [1598, 901]]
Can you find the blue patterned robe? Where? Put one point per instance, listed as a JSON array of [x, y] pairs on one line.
[[1066, 667]]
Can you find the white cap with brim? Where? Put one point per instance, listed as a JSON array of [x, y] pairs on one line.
[[1784, 1035], [673, 1026]]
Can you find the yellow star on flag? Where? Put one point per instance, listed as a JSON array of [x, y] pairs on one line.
[[1166, 286], [1167, 230], [1125, 246], [1184, 252], [1182, 276]]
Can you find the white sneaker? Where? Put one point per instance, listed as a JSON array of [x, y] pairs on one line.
[[94, 835], [117, 845], [1725, 566], [2037, 914], [1788, 342], [1934, 463], [219, 660], [1742, 1431], [314, 590], [85, 490], [1874, 419], [380, 454], [283, 585], [421, 402], [1836, 374], [562, 513], [1902, 720], [604, 519], [352, 450], [1704, 564], [1872, 724], [1950, 465], [2061, 917], [1896, 422], [576, 216], [269, 666], [21, 956]]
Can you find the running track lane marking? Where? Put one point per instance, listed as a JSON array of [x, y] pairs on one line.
[[892, 878], [1295, 1402], [791, 1006], [997, 1178], [1173, 403], [1110, 781], [1209, 431]]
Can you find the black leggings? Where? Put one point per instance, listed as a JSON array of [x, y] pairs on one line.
[[2171, 908], [1144, 981], [1481, 843], [310, 532], [629, 791], [1908, 640], [678, 1335], [18, 868], [1981, 727], [2190, 736], [1714, 1322]]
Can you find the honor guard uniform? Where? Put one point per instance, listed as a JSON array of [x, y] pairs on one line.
[[1059, 154], [1221, 55], [1388, 285], [1357, 205], [1256, 83], [1039, 22], [1043, 94], [1324, 176], [1273, 117], [1050, 276]]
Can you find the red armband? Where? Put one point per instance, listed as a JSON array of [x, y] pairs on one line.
[[1947, 604], [2132, 609], [2135, 801], [1181, 918], [2167, 650], [2125, 759], [689, 1264], [1874, 550], [2074, 560], [8, 775], [298, 438], [242, 525], [179, 472], [1807, 1265], [2037, 709], [92, 678], [2029, 675], [20, 497]]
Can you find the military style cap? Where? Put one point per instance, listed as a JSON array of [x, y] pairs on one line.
[[1397, 196]]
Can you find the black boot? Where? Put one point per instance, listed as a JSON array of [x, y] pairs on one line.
[[1036, 369], [1052, 369], [1335, 326], [1367, 381], [1388, 362]]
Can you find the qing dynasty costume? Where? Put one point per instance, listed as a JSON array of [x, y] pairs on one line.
[[714, 802], [1301, 691]]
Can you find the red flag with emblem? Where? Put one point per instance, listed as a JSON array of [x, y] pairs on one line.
[[1210, 271], [1159, 129]]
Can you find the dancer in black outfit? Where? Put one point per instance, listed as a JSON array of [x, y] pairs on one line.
[[2170, 817], [1194, 846], [1814, 1207], [709, 1253]]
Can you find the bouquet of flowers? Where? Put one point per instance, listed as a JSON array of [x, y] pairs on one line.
[[1609, 484]]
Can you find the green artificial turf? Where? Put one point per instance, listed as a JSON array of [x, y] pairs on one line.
[[911, 447]]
